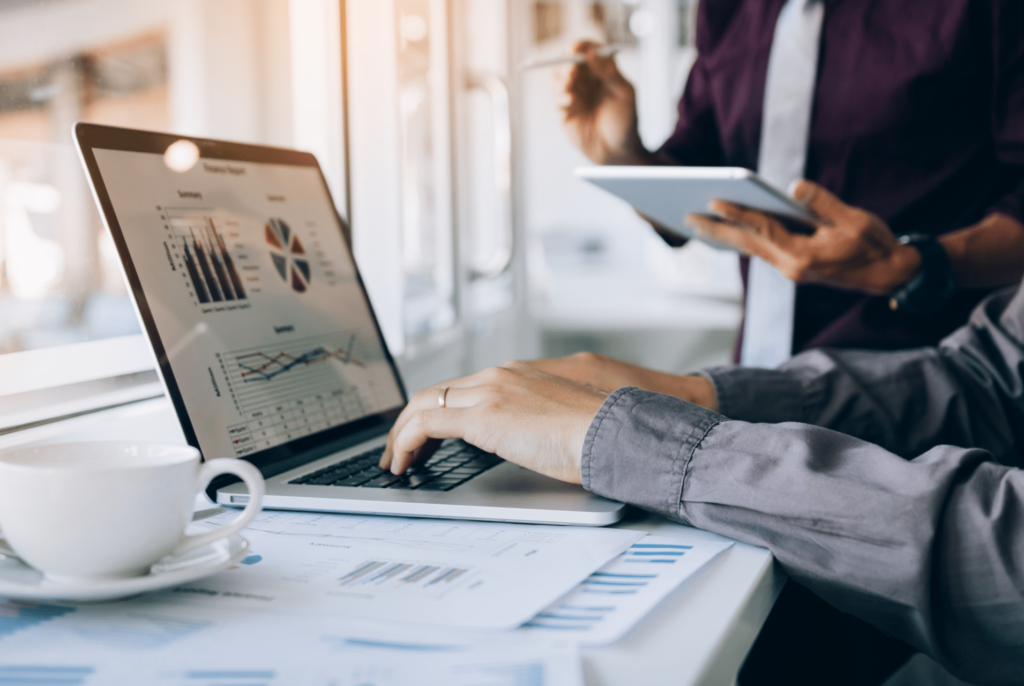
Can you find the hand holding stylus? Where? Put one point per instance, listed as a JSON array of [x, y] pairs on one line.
[[575, 58], [599, 109]]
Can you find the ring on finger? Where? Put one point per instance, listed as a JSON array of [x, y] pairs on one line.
[[442, 396]]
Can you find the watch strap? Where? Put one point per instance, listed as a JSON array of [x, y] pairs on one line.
[[933, 284]]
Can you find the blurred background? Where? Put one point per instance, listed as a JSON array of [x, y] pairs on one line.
[[476, 241]]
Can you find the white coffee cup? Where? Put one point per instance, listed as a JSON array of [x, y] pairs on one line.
[[95, 510]]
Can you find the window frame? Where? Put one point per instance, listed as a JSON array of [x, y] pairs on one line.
[[35, 370], [316, 29]]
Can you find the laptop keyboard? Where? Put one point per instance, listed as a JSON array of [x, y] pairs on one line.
[[454, 463]]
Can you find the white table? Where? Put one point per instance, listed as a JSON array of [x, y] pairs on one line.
[[700, 635], [703, 631]]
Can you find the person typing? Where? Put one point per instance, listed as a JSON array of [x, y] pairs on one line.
[[888, 484]]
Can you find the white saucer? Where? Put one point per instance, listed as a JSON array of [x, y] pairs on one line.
[[21, 582]]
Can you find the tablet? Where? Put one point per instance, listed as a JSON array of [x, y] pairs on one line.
[[668, 194]]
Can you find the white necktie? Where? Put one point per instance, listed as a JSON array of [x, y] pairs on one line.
[[785, 127]]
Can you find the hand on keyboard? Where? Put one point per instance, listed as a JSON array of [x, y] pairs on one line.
[[452, 465], [528, 417]]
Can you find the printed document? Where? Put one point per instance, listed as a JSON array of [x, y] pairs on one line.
[[479, 575], [600, 610], [612, 600], [144, 641]]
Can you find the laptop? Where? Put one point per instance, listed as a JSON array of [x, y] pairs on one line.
[[241, 273]]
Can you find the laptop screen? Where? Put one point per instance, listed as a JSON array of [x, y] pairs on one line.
[[253, 292]]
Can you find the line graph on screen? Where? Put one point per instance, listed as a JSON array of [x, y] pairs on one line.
[[261, 366], [298, 387]]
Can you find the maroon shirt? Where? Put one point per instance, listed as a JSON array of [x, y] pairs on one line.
[[918, 116]]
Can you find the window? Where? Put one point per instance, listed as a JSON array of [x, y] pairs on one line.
[[69, 340], [59, 278]]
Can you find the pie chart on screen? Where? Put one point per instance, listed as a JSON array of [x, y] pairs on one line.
[[288, 254]]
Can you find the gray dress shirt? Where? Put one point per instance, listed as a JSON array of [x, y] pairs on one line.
[[889, 483]]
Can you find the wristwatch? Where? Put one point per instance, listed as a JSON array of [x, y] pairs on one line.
[[933, 285]]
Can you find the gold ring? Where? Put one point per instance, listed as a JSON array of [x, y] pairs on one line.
[[442, 396]]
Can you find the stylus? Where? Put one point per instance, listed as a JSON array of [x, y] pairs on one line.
[[606, 51]]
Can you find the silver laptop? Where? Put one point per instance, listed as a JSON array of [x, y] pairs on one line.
[[265, 340]]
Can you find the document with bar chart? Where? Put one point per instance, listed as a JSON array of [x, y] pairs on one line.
[[148, 641], [253, 292], [612, 600], [476, 575]]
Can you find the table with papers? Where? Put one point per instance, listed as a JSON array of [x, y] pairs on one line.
[[148, 641], [387, 595], [460, 574], [348, 599]]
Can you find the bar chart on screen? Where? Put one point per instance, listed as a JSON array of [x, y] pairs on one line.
[[299, 387], [210, 249], [222, 254]]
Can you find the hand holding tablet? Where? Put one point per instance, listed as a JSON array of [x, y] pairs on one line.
[[818, 239], [668, 194]]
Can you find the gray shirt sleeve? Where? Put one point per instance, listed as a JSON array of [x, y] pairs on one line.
[[967, 392], [928, 549]]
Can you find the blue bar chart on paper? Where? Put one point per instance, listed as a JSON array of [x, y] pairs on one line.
[[656, 553], [207, 676], [15, 617], [613, 599], [46, 675]]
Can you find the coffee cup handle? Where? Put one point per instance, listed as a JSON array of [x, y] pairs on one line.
[[253, 480]]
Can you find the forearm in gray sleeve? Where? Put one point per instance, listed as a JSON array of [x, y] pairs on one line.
[[929, 550], [967, 392]]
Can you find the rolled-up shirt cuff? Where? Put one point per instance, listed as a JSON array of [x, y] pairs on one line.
[[639, 446], [766, 396]]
